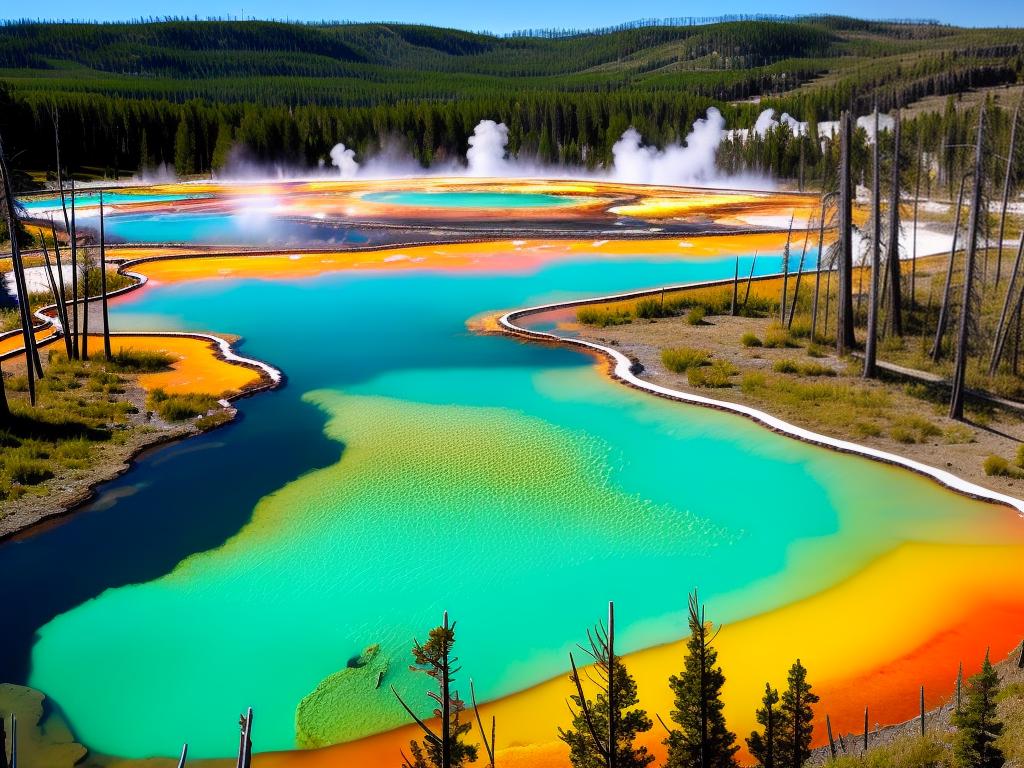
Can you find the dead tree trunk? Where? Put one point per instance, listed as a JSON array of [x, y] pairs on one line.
[[845, 340], [32, 365], [956, 402], [1004, 321], [73, 234], [86, 269], [785, 272], [750, 280], [735, 287], [51, 278], [103, 284], [488, 743], [871, 347], [799, 275], [820, 261], [1007, 180], [62, 287], [917, 202], [895, 276], [943, 320]]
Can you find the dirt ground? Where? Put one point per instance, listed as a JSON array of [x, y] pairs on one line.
[[901, 419]]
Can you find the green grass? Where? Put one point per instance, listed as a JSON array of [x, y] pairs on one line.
[[602, 317], [749, 339], [717, 375], [695, 316], [180, 407], [997, 466], [128, 360], [682, 359], [804, 369], [778, 337], [932, 751], [79, 404]]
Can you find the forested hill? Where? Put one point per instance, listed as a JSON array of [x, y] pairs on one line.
[[362, 64], [289, 91]]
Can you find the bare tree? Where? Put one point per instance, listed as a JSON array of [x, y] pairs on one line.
[[488, 743], [602, 651], [917, 201], [800, 273], [845, 339], [14, 743], [32, 364], [826, 202], [73, 235], [785, 272], [1007, 181], [103, 283], [62, 288], [244, 741], [870, 348], [956, 403], [895, 288], [943, 320], [1004, 322]]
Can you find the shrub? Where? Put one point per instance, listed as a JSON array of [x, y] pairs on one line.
[[26, 471], [902, 435], [920, 425], [800, 327], [786, 366], [128, 360], [1020, 456], [813, 350], [750, 340], [695, 316], [958, 433], [817, 369], [866, 429], [180, 407], [752, 382], [215, 419], [778, 337], [651, 308], [714, 376], [682, 359], [602, 317], [997, 466]]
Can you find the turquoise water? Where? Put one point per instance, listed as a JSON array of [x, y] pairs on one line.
[[507, 483], [225, 229], [109, 198], [471, 199]]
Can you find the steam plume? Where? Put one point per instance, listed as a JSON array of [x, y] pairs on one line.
[[692, 163], [486, 154], [345, 161]]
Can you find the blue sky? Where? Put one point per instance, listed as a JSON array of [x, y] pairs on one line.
[[508, 15]]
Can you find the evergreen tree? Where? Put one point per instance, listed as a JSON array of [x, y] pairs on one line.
[[583, 752], [797, 717], [764, 745], [702, 739], [977, 724], [184, 148], [610, 717], [222, 147], [445, 749]]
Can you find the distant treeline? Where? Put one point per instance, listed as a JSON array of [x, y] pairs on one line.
[[185, 92]]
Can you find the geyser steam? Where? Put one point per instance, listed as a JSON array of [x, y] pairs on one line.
[[692, 163], [345, 161], [486, 153]]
